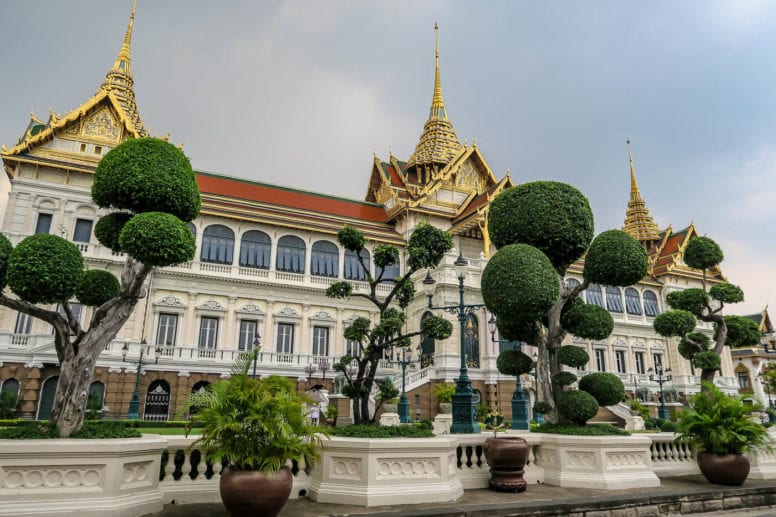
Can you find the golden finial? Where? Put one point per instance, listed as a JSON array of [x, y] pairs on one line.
[[123, 59], [638, 221], [437, 103], [508, 172], [634, 185]]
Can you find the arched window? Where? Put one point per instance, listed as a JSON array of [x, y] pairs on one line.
[[291, 254], [613, 299], [9, 398], [632, 301], [353, 269], [192, 228], [324, 260], [217, 244], [472, 341], [427, 346], [96, 399], [594, 295], [157, 406], [650, 304], [199, 387], [391, 272], [48, 393], [10, 385], [571, 283], [254, 249]]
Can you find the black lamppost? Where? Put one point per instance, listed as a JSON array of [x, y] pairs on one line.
[[661, 376], [256, 349], [538, 418], [134, 404], [519, 403], [404, 405], [464, 399], [767, 385], [635, 378]]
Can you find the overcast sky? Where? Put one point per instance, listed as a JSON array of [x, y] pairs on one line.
[[301, 93]]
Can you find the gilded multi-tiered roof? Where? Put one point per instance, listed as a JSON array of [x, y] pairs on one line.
[[638, 221]]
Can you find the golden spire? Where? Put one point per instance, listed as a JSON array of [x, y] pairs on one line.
[[438, 143], [638, 221]]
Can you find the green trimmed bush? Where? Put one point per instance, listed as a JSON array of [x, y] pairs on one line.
[[514, 362], [351, 238], [690, 300], [147, 175], [727, 293], [674, 323], [588, 321], [668, 427], [45, 268], [580, 430], [5, 254], [427, 246], [91, 429], [688, 349], [702, 253], [708, 360], [607, 388], [97, 287], [615, 258], [741, 331], [577, 406], [517, 330], [416, 430], [108, 229], [519, 282], [573, 356], [564, 378], [158, 239]]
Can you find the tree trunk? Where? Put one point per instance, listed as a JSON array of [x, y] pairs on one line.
[[75, 376]]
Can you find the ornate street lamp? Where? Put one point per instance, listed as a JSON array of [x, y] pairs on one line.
[[404, 405], [256, 349], [134, 404], [538, 418], [464, 399], [519, 403], [661, 376], [767, 386], [323, 366], [310, 370]]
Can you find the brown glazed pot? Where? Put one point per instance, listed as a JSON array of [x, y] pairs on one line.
[[506, 457], [724, 469], [248, 493]]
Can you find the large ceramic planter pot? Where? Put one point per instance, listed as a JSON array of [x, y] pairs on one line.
[[247, 493], [724, 469], [506, 457]]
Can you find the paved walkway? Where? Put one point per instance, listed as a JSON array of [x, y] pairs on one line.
[[676, 496]]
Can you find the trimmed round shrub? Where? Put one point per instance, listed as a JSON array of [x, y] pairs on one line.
[[708, 360], [427, 245], [97, 287], [615, 258], [727, 293], [573, 356], [551, 216], [577, 406], [514, 362], [351, 238], [517, 330], [5, 254], [668, 427], [158, 239], [564, 379], [741, 331], [688, 349], [649, 424], [108, 229], [147, 175], [674, 323], [702, 253], [606, 388], [519, 282], [45, 268], [690, 300], [588, 321]]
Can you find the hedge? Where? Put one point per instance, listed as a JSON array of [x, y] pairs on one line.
[[615, 258]]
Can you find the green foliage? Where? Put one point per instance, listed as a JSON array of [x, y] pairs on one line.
[[573, 356], [331, 412], [607, 388], [638, 407], [427, 245], [707, 360], [351, 238], [690, 300], [9, 403], [97, 286], [158, 239], [727, 293], [741, 331], [564, 379], [577, 406], [517, 330], [391, 324], [674, 323], [416, 430], [702, 253], [436, 327], [519, 283], [580, 430], [444, 392], [5, 254], [688, 348], [91, 429], [385, 255], [339, 290], [45, 268], [252, 424], [514, 362], [405, 294], [483, 410], [615, 258], [721, 424], [587, 321], [541, 407], [386, 391], [551, 216], [669, 427], [108, 229], [358, 329], [147, 175]]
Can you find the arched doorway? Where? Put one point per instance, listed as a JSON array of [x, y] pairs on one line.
[[472, 341], [199, 387], [157, 406], [48, 393]]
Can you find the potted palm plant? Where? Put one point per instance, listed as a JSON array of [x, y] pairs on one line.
[[255, 427], [444, 394], [721, 429]]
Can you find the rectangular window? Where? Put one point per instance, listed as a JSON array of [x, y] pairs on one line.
[[75, 308], [743, 381], [168, 326], [657, 360], [97, 149], [285, 338], [23, 323], [504, 345], [600, 359], [619, 361], [44, 223], [639, 356], [208, 332], [83, 230], [247, 335], [321, 341], [352, 348]]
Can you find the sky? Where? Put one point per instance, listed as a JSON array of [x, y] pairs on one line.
[[303, 93]]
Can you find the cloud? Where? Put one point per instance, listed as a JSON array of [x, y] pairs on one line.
[[748, 267]]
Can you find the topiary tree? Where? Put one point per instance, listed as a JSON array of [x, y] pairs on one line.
[[425, 249], [152, 185], [705, 304], [540, 229]]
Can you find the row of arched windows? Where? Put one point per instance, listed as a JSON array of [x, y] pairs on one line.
[[635, 304], [218, 245]]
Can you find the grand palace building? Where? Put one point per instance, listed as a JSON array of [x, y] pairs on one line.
[[266, 254]]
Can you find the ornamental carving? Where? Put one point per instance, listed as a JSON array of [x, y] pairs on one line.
[[287, 312], [47, 478], [212, 305], [136, 473], [322, 316], [625, 459], [102, 125], [73, 129], [251, 308], [468, 179], [345, 468], [170, 301], [407, 468]]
